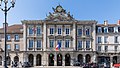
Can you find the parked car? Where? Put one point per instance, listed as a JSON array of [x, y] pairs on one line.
[[26, 64]]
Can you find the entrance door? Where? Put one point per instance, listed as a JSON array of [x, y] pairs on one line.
[[51, 59], [59, 60], [38, 60], [30, 59], [67, 60]]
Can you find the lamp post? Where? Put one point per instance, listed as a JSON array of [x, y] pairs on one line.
[[5, 10]]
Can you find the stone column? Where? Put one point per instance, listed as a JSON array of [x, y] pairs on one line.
[[111, 61], [55, 59], [84, 59], [44, 36], [34, 60], [74, 35]]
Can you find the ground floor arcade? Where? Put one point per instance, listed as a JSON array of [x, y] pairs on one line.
[[58, 58]]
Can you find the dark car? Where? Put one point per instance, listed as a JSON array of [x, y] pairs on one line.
[[26, 64]]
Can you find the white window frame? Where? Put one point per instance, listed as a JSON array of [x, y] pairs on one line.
[[59, 26]]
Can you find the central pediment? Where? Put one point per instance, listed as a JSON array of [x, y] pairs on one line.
[[59, 14]]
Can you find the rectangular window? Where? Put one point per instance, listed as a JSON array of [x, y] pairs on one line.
[[59, 43], [67, 31], [115, 48], [8, 37], [99, 48], [105, 39], [30, 44], [79, 44], [87, 44], [79, 32], [51, 30], [105, 29], [59, 30], [39, 43], [16, 47], [67, 43], [87, 31], [99, 30], [51, 43], [16, 37], [110, 29], [8, 47], [116, 39], [99, 40], [106, 48], [39, 30], [30, 30]]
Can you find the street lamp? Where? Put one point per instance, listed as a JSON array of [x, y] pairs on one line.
[[5, 30]]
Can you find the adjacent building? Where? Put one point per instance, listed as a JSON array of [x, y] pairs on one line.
[[60, 40]]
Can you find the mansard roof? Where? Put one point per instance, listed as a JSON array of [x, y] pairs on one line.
[[16, 28], [59, 14]]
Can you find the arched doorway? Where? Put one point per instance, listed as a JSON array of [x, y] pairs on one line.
[[51, 59], [67, 60], [80, 58], [38, 60], [31, 59], [8, 60], [114, 59], [88, 58], [0, 60], [16, 60], [59, 60]]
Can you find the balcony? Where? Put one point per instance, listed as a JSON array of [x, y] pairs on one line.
[[109, 51]]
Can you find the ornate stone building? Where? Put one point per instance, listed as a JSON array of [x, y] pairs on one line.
[[35, 41], [76, 38]]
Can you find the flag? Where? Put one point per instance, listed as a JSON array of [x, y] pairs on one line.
[[58, 46], [34, 29]]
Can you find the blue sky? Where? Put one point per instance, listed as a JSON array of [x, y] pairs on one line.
[[99, 10]]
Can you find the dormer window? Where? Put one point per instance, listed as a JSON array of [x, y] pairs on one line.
[[99, 30], [105, 29], [110, 29]]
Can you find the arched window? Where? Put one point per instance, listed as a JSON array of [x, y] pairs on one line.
[[38, 60]]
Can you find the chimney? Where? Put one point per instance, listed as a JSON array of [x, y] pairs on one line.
[[106, 22], [118, 23], [4, 25]]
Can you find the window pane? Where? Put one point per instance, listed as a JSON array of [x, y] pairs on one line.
[[79, 32], [87, 44], [99, 30], [8, 37], [38, 30], [99, 40], [67, 30], [51, 30], [30, 43], [105, 39], [67, 43], [79, 44], [116, 39], [51, 43], [16, 46], [59, 31], [38, 43], [105, 29], [30, 30], [16, 37], [59, 42], [87, 31], [8, 46], [99, 48]]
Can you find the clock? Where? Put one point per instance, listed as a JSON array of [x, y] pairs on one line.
[[59, 8]]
